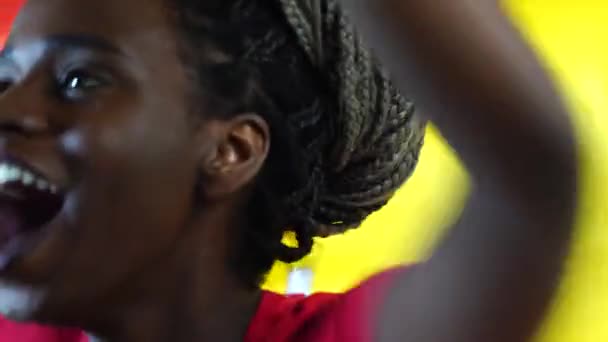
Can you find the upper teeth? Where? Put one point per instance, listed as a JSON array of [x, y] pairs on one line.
[[13, 173]]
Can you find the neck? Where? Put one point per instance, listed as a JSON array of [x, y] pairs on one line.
[[184, 316], [192, 297], [219, 322]]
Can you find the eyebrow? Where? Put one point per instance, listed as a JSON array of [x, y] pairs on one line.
[[82, 41], [75, 41]]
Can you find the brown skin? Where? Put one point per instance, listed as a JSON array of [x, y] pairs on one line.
[[493, 275], [133, 254]]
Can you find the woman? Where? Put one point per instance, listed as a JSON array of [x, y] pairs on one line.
[[157, 143]]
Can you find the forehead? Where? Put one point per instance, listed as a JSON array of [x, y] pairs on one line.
[[136, 26]]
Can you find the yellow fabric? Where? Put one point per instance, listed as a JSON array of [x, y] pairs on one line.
[[571, 36]]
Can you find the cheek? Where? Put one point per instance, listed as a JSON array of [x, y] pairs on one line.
[[134, 178]]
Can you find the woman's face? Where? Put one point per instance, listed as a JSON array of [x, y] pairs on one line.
[[98, 163]]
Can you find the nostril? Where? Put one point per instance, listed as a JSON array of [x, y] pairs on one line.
[[21, 125], [11, 127]]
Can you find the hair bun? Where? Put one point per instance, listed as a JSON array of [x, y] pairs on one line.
[[376, 139]]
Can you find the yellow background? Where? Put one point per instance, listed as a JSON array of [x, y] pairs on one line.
[[572, 37]]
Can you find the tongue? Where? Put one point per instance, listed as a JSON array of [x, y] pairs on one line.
[[10, 221], [10, 224]]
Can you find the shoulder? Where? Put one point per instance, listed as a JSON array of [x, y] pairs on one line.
[[322, 317], [11, 331]]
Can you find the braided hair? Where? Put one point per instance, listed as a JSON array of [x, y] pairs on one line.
[[343, 139]]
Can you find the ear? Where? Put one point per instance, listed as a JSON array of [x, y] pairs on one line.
[[233, 152]]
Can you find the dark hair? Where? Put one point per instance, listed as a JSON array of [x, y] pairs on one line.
[[334, 158]]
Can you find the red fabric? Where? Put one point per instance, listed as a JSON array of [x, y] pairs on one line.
[[321, 317], [15, 332]]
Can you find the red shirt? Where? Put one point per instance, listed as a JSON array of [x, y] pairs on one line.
[[350, 316], [14, 332]]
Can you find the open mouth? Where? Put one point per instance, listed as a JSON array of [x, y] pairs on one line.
[[28, 201]]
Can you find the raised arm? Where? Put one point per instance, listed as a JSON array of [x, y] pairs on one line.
[[493, 274]]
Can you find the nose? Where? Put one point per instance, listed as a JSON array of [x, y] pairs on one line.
[[22, 110]]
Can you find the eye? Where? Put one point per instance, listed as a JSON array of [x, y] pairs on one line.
[[4, 85], [78, 84], [7, 77]]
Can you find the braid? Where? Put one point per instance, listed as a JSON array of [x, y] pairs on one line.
[[345, 138], [376, 140]]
